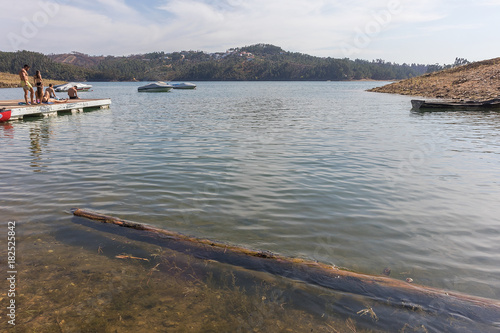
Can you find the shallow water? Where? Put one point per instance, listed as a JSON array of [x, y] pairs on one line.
[[319, 170]]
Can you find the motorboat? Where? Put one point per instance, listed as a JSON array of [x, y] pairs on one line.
[[4, 114], [79, 87], [184, 85], [158, 86]]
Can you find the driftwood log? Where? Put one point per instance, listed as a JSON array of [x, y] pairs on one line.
[[433, 302]]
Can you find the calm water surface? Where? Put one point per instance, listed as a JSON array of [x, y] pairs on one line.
[[319, 170]]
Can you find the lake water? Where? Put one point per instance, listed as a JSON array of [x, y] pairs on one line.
[[317, 170]]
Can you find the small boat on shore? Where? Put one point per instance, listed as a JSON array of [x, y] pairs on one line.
[[184, 85], [80, 87], [156, 87], [422, 105], [5, 114]]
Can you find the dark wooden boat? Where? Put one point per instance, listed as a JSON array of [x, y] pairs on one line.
[[421, 105]]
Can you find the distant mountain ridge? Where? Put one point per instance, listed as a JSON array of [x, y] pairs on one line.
[[77, 59], [259, 62]]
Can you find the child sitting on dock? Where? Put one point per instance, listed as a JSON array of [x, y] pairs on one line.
[[51, 91], [47, 97], [72, 93]]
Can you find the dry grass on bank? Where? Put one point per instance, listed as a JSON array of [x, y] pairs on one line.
[[8, 80]]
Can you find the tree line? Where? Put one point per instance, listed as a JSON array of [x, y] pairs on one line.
[[260, 62]]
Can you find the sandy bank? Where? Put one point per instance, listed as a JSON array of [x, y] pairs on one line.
[[8, 80]]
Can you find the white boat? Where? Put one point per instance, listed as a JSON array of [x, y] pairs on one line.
[[155, 87], [67, 86], [183, 85]]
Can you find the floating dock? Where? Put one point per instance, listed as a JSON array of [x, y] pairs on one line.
[[73, 106]]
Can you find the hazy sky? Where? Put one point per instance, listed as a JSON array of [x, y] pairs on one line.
[[421, 31]]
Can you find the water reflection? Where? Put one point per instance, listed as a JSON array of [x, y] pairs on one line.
[[7, 130], [39, 136], [347, 178]]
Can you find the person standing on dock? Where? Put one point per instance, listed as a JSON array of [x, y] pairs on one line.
[[39, 87], [25, 84], [72, 93]]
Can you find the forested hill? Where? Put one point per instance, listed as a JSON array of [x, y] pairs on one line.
[[250, 63]]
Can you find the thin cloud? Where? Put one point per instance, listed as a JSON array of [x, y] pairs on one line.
[[493, 3], [452, 27], [320, 27]]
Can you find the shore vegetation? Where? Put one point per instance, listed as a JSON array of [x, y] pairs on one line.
[[260, 62]]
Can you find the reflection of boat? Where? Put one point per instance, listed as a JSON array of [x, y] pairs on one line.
[[183, 85], [66, 86], [418, 104], [4, 115], [155, 87]]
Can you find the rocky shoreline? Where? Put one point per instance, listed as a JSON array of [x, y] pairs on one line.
[[477, 81]]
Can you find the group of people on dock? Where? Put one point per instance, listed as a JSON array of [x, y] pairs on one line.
[[50, 94]]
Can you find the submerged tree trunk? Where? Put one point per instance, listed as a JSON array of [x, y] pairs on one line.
[[396, 293]]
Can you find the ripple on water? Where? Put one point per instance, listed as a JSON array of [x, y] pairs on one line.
[[320, 170]]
